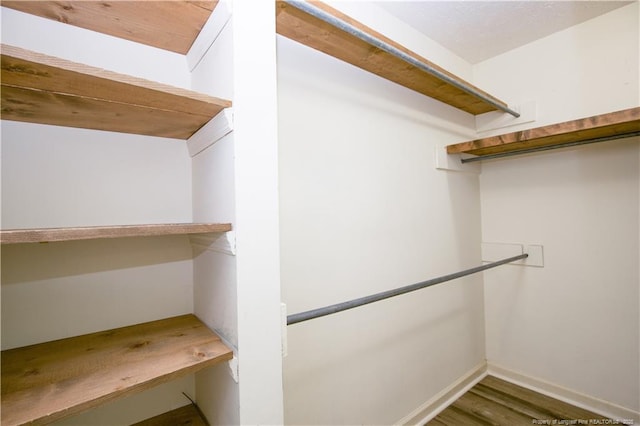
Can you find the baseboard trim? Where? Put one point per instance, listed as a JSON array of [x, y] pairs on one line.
[[578, 399], [446, 397]]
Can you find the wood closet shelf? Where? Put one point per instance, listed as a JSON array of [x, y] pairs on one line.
[[49, 381], [168, 25], [183, 416], [45, 235], [599, 126], [313, 32], [38, 88]]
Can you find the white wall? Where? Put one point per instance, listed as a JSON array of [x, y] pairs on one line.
[[215, 295], [574, 323], [363, 210], [583, 71], [55, 176], [236, 180], [256, 182]]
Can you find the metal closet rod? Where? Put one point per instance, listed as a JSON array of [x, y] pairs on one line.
[[549, 148], [348, 28], [339, 307]]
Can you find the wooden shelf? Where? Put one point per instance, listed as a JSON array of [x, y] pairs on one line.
[[38, 88], [313, 32], [49, 381], [605, 125], [168, 25], [45, 235], [183, 416]]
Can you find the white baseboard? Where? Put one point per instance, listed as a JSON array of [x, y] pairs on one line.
[[446, 397], [587, 402]]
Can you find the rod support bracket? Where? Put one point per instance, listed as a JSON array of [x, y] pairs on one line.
[[494, 251]]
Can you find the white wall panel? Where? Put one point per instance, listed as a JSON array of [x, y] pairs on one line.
[[589, 69], [363, 209], [574, 323], [57, 176]]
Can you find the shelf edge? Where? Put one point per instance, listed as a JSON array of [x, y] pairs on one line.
[[45, 235], [602, 125], [49, 381]]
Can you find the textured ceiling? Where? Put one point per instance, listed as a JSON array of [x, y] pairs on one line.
[[478, 30]]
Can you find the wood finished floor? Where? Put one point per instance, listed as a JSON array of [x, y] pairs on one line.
[[496, 402]]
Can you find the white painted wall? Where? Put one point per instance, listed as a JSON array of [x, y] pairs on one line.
[[215, 279], [574, 323], [215, 295], [57, 290], [362, 210], [256, 183], [586, 70], [55, 176], [236, 180]]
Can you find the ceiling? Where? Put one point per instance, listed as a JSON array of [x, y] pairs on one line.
[[478, 30]]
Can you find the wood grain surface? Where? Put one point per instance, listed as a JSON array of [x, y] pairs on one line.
[[494, 401], [169, 25], [609, 124], [43, 235], [38, 88], [49, 381], [183, 416]]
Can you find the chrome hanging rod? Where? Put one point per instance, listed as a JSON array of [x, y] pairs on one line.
[[548, 148], [356, 32], [338, 307]]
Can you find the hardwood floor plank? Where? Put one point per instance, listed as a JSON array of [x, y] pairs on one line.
[[495, 414], [453, 416], [517, 404], [497, 402], [559, 409]]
